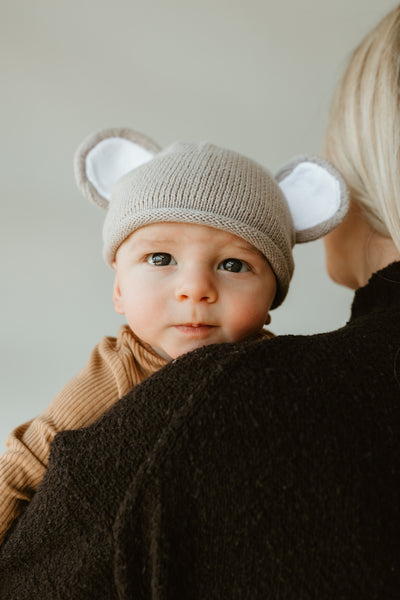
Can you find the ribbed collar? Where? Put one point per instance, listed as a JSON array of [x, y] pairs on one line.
[[381, 292]]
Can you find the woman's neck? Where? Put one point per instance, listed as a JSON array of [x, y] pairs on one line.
[[354, 251], [379, 252]]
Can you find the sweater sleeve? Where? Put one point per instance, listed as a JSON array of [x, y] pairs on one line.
[[110, 373]]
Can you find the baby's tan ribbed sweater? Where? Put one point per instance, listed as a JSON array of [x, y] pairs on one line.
[[115, 366]]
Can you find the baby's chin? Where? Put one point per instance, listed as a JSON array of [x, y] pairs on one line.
[[163, 354], [174, 354]]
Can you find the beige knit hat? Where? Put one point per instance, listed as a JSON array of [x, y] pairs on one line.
[[200, 183]]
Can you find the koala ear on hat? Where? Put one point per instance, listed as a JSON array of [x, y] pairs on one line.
[[104, 157], [317, 196]]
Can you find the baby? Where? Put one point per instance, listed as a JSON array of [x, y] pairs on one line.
[[201, 241]]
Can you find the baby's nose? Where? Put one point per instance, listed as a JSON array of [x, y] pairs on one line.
[[197, 285]]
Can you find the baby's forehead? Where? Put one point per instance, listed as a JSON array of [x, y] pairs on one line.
[[176, 233]]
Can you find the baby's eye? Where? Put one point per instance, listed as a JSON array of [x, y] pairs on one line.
[[234, 265], [161, 259]]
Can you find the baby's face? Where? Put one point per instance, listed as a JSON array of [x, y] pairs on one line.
[[182, 286]]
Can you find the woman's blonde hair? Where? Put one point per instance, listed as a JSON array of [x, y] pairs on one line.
[[363, 134]]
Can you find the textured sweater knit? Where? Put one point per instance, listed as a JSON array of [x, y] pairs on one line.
[[258, 471]]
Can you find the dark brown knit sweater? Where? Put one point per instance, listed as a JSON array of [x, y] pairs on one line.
[[267, 470]]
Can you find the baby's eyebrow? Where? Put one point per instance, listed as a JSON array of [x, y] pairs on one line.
[[247, 248], [153, 241], [157, 243]]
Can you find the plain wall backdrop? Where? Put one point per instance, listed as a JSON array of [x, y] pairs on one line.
[[254, 76]]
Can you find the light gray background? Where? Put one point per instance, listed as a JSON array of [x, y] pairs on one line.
[[256, 76]]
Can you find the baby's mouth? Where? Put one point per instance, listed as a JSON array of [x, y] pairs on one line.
[[197, 329]]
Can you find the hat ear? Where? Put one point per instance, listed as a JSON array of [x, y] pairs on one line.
[[106, 156], [317, 196]]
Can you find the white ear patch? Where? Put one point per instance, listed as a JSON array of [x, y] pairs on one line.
[[112, 158], [313, 195]]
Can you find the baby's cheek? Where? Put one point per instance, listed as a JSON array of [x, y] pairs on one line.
[[140, 314], [247, 319]]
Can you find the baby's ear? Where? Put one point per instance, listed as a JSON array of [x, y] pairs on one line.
[[317, 196], [106, 156], [117, 297]]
